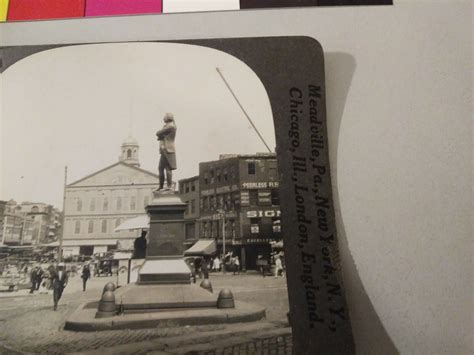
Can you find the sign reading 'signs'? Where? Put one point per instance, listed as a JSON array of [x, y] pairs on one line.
[[267, 213]]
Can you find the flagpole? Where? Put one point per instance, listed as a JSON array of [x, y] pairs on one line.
[[60, 250], [243, 109]]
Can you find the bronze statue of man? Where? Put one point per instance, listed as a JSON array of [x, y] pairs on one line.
[[167, 164]]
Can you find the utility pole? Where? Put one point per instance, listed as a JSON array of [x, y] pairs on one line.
[[60, 250], [223, 232]]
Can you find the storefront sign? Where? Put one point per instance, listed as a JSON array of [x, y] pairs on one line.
[[244, 198], [208, 192], [224, 189], [257, 240], [264, 198], [260, 185], [259, 214]]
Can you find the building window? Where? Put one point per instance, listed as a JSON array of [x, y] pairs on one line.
[[118, 222], [189, 231], [227, 202], [275, 197], [212, 176], [133, 203], [205, 203], [253, 197], [212, 202], [119, 203], [193, 206], [232, 228], [186, 187], [276, 224], [218, 226], [146, 201], [79, 205], [235, 199], [193, 187], [251, 168], [77, 227], [106, 204], [204, 229], [104, 226], [92, 205], [186, 211], [129, 153], [254, 227], [273, 167], [226, 176], [90, 229], [218, 176], [206, 179]]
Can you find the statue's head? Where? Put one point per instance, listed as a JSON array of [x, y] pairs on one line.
[[168, 117]]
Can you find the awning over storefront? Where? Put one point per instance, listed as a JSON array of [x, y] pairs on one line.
[[203, 247], [85, 242], [139, 222]]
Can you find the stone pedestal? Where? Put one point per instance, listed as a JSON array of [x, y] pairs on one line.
[[164, 262], [164, 279]]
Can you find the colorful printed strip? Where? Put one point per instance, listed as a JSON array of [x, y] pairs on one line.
[[24, 10], [3, 10]]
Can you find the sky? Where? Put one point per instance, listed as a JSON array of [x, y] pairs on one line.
[[75, 106]]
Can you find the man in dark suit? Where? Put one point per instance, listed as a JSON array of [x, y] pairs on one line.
[[167, 164], [86, 275], [140, 246], [34, 278], [59, 279]]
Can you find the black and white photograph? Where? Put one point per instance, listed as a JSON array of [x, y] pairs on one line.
[[145, 202], [263, 181]]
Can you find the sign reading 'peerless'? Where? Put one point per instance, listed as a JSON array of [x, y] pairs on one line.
[[259, 185]]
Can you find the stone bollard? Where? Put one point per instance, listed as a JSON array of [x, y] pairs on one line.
[[225, 299], [109, 286], [206, 284], [107, 307]]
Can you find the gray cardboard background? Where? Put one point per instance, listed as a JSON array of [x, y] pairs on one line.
[[400, 150]]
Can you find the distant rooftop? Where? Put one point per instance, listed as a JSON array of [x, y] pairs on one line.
[[248, 156]]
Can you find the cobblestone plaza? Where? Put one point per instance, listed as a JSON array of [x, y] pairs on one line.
[[28, 323]]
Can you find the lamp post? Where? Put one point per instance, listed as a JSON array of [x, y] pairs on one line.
[[222, 213]]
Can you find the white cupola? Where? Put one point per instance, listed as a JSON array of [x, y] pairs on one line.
[[129, 150]]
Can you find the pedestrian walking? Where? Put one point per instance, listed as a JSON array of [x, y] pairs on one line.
[[39, 277], [33, 278], [216, 264], [278, 267], [236, 265], [197, 267], [59, 279], [86, 275], [45, 282]]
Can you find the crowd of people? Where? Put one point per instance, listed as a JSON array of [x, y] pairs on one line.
[[202, 265], [55, 277]]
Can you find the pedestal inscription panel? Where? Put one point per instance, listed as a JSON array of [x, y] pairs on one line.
[[166, 239]]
